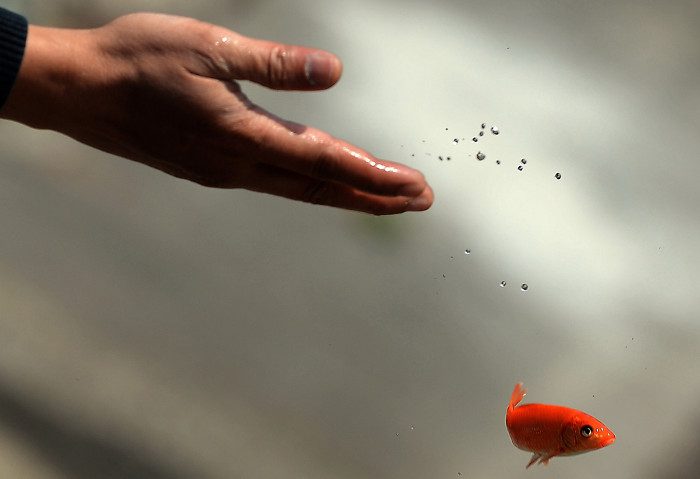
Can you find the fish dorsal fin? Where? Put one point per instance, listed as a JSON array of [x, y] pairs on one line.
[[519, 393]]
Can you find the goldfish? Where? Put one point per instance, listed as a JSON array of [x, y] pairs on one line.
[[548, 431]]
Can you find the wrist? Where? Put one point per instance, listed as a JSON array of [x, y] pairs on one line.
[[44, 93]]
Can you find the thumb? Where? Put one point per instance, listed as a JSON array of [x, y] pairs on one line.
[[280, 66]]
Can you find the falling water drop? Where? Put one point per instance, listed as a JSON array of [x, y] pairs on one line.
[[455, 141], [475, 139], [483, 125], [498, 162], [520, 167], [523, 161], [524, 286], [495, 130], [467, 251], [480, 156], [558, 176], [481, 133], [503, 284]]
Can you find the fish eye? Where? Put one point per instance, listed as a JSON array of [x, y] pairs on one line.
[[586, 431]]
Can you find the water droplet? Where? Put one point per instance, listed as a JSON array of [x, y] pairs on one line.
[[397, 434], [467, 251], [481, 133], [480, 156], [495, 130], [449, 158], [524, 286], [440, 157], [498, 162], [520, 167], [503, 284], [455, 141], [483, 125], [459, 474], [475, 139], [558, 176], [523, 161], [412, 427]]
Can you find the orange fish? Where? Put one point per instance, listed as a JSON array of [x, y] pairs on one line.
[[549, 431]]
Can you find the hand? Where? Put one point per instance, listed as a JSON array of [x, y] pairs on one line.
[[163, 91]]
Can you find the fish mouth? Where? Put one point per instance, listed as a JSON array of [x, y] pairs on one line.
[[607, 441]]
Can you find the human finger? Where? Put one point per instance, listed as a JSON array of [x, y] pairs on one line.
[[280, 182], [276, 65], [314, 153]]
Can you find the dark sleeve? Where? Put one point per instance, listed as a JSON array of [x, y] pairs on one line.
[[13, 36]]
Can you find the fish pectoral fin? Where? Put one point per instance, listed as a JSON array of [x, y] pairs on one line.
[[533, 459], [541, 458], [544, 459]]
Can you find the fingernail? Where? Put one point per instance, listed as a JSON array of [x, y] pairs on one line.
[[411, 189], [421, 203], [320, 69]]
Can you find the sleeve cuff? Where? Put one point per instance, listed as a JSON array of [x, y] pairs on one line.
[[13, 37]]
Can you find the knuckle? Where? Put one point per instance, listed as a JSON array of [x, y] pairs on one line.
[[258, 135], [278, 66], [325, 166], [207, 34], [318, 192]]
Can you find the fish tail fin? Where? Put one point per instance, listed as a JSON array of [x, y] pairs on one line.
[[519, 393]]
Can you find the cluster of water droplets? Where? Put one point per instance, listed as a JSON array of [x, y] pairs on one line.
[[523, 287], [482, 132], [481, 154]]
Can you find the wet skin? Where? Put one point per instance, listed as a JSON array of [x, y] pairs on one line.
[[166, 91]]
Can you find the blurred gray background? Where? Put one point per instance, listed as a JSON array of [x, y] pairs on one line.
[[152, 328]]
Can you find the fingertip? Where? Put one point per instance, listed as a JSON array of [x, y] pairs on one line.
[[423, 201], [412, 189], [322, 69]]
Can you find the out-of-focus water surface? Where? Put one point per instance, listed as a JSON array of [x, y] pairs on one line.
[[151, 328]]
